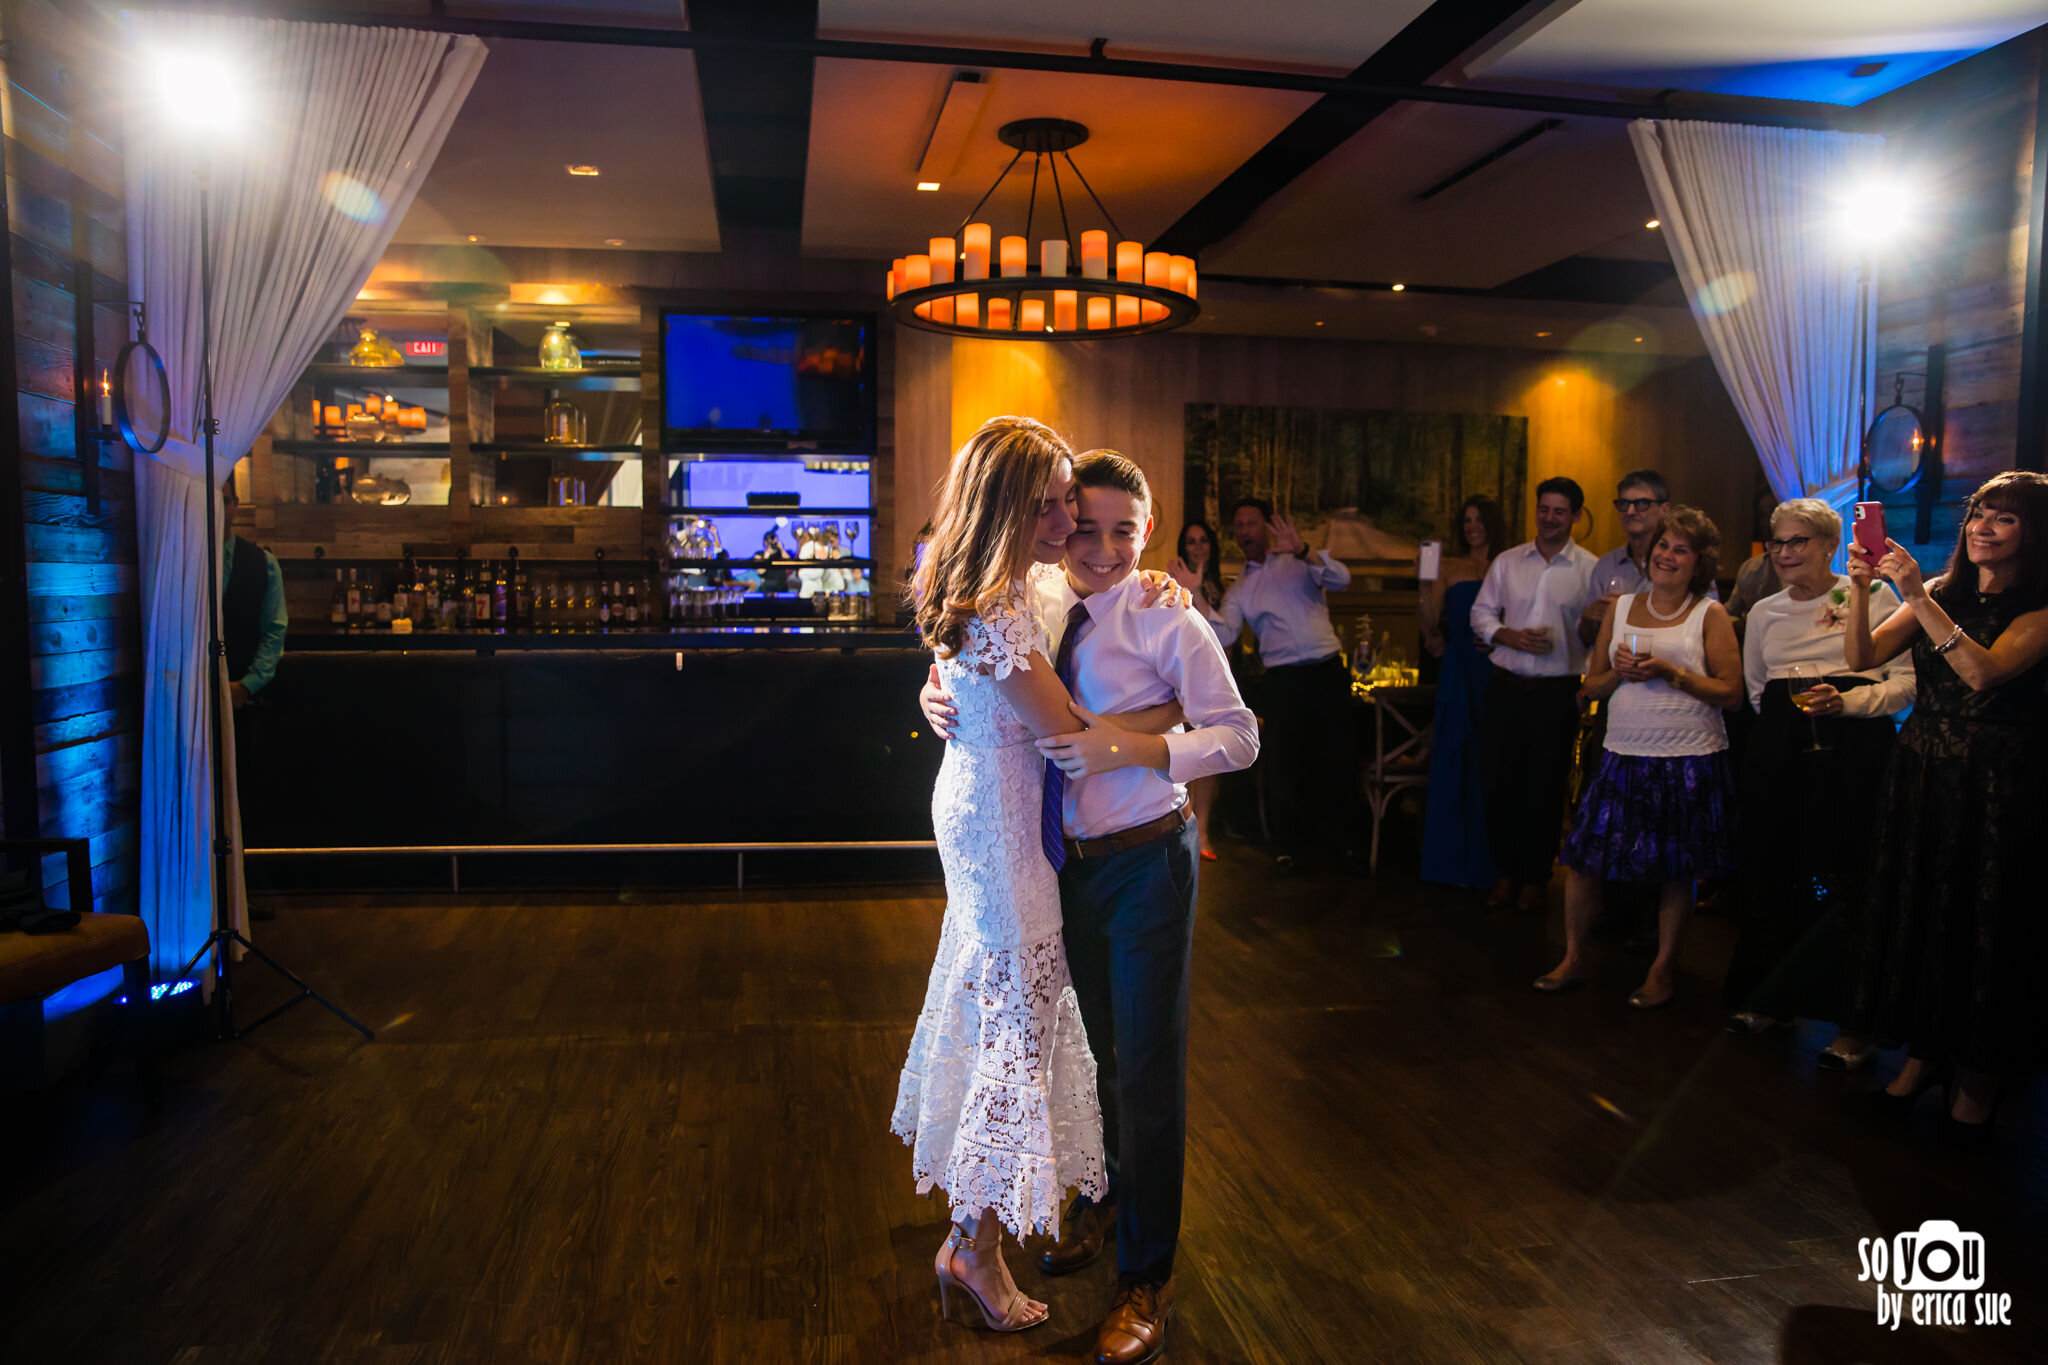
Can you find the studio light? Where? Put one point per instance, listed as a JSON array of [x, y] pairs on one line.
[[1878, 211], [199, 91]]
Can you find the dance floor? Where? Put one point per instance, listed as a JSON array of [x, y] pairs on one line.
[[654, 1127]]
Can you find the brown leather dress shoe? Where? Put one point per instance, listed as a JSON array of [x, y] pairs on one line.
[[1135, 1330], [1088, 1227]]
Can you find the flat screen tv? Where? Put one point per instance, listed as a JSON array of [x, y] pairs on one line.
[[788, 382]]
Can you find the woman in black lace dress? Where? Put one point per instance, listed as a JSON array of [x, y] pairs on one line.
[[1955, 898]]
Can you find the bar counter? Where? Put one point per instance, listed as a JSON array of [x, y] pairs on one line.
[[717, 734]]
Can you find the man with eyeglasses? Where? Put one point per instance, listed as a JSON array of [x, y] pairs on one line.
[[1642, 498]]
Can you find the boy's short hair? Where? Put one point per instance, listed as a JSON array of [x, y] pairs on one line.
[[1113, 469]]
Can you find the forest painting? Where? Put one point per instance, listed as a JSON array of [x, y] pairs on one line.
[[1367, 485]]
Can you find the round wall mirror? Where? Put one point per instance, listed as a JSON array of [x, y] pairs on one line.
[[1896, 447]]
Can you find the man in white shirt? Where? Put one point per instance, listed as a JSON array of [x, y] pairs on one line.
[[1127, 888], [1527, 612], [1311, 760]]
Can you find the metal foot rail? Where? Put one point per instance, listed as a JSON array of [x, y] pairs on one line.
[[455, 852]]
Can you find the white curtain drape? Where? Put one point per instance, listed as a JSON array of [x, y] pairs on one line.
[[1753, 218], [339, 126]]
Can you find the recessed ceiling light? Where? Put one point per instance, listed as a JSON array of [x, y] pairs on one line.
[[615, 241], [1638, 338], [579, 168], [927, 184], [1543, 334], [1319, 322], [1654, 224], [1399, 287]]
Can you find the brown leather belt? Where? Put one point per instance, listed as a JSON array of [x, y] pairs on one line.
[[1166, 824]]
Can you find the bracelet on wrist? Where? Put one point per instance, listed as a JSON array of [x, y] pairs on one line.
[[1955, 638]]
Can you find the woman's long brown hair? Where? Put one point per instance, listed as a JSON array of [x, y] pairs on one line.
[[987, 513], [2024, 494]]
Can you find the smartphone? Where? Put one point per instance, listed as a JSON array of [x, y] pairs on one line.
[[1869, 529], [1429, 565]]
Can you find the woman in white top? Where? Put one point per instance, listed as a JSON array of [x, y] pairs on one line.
[[1822, 727], [1661, 806]]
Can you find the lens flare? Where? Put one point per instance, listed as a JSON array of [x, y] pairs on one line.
[[351, 198], [1726, 294]]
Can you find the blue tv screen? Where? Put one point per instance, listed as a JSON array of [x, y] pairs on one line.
[[750, 382]]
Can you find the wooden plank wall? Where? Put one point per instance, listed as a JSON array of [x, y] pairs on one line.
[[1591, 416], [1966, 136], [66, 239]]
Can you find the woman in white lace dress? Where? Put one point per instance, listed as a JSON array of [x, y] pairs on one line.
[[997, 1099]]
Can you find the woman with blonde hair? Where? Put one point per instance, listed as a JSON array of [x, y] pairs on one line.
[[997, 1098]]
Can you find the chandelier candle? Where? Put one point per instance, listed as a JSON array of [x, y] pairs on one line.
[[1052, 258], [1158, 274], [1066, 304], [944, 256], [1015, 251], [999, 314], [1031, 315], [974, 242], [1095, 255]]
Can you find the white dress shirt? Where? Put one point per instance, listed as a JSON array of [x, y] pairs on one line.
[[1522, 589], [1282, 597], [1782, 632], [1129, 657]]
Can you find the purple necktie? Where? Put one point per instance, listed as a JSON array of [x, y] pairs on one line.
[[1052, 813]]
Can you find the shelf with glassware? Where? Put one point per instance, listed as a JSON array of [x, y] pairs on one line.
[[786, 528]]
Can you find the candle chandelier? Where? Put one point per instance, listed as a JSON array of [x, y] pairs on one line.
[[1118, 290]]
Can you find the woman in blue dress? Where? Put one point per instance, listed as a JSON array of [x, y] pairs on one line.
[[1454, 822]]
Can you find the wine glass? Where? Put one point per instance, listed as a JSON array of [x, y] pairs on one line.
[[1802, 679]]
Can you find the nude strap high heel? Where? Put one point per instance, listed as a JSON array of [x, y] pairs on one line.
[[1014, 1317]]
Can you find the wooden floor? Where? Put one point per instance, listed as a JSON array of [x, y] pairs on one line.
[[654, 1128]]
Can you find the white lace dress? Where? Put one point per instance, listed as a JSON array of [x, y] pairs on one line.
[[997, 1099]]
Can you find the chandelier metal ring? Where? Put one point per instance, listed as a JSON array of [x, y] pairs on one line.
[[1181, 309]]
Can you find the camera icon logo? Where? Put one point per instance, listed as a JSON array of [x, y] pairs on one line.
[[1938, 1257]]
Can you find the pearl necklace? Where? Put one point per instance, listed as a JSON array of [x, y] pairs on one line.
[[1650, 606]]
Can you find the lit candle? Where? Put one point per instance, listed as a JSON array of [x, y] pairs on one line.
[[1031, 315], [999, 314], [355, 410], [1126, 312], [895, 269], [373, 405], [1159, 275], [318, 412], [1130, 262], [1065, 305], [1095, 255], [334, 415], [944, 256], [969, 308], [1052, 258], [1014, 250], [974, 241], [1178, 278], [106, 403], [1191, 280], [1098, 311], [917, 274]]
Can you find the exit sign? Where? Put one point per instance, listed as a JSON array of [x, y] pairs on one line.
[[426, 350]]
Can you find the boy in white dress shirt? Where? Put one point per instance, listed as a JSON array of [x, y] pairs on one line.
[[1127, 888]]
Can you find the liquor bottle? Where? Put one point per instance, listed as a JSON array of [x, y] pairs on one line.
[[544, 609], [355, 601], [337, 610], [480, 595], [379, 607], [604, 605], [430, 601], [590, 606], [402, 593], [633, 605], [501, 602], [522, 597]]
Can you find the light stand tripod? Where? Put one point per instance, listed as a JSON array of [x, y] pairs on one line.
[[225, 935]]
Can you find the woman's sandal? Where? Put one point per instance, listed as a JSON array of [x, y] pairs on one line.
[[1014, 1318]]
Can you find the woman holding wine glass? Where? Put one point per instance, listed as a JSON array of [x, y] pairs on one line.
[[1948, 960], [1661, 806], [1821, 727]]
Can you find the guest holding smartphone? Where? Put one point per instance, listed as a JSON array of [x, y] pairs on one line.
[[1820, 729], [1948, 960], [1661, 806]]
